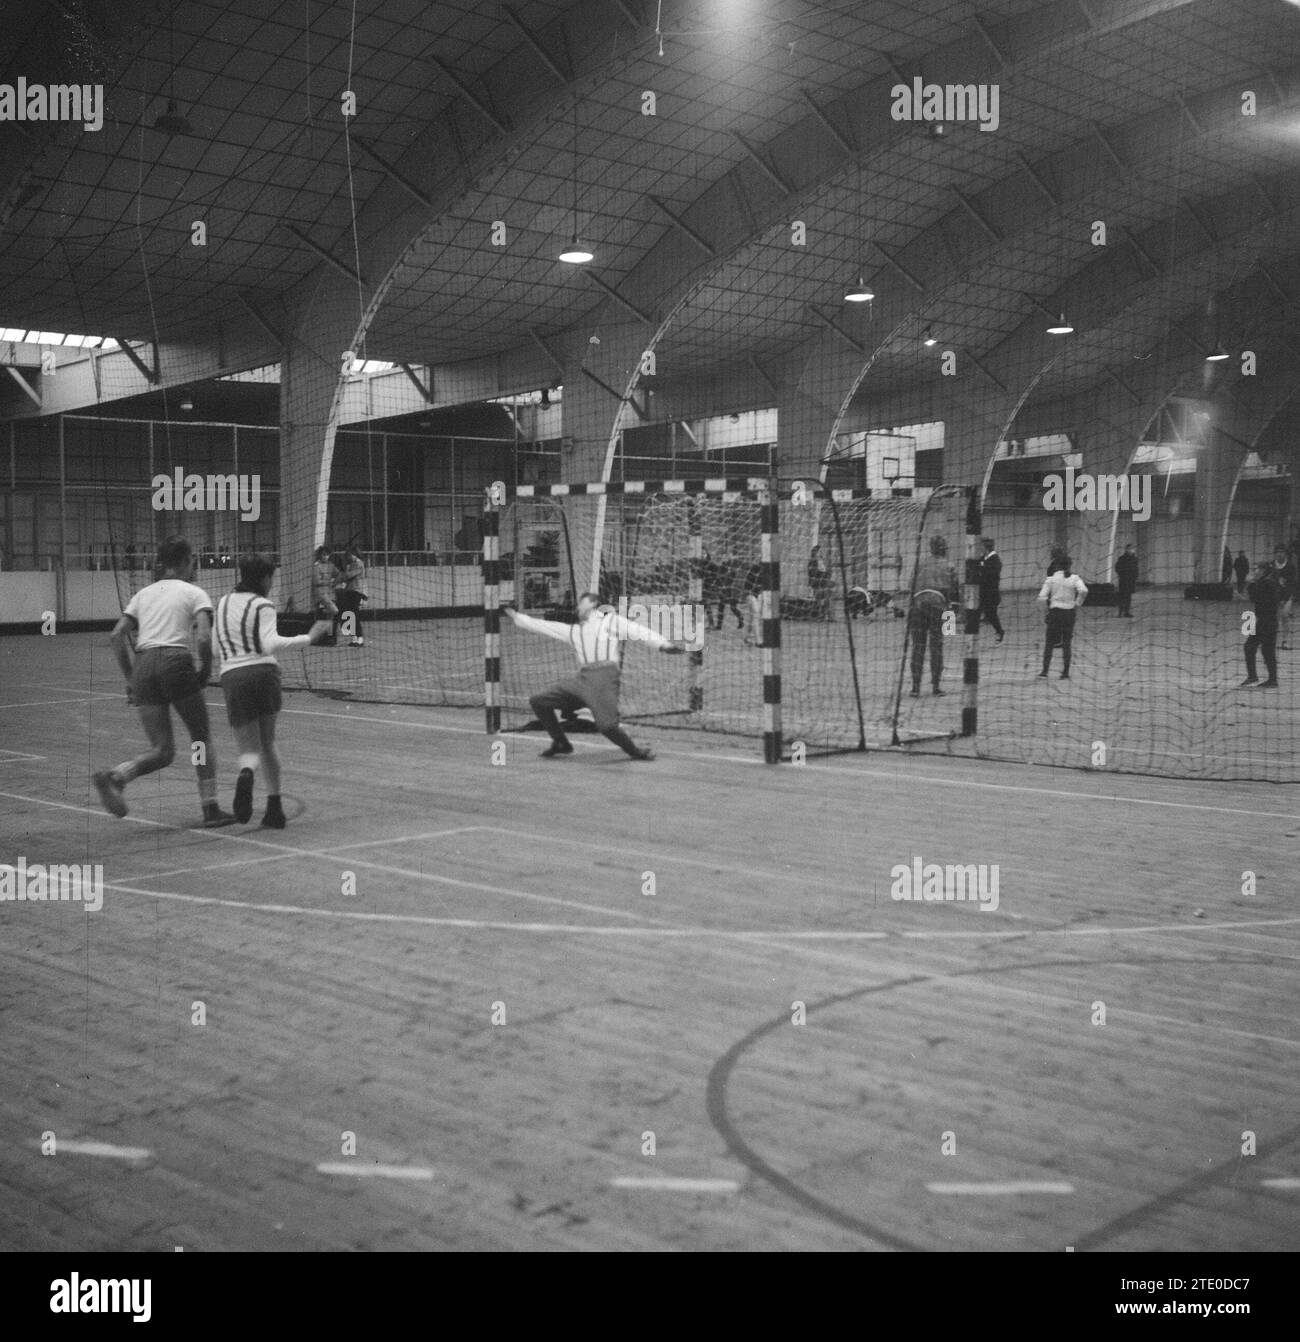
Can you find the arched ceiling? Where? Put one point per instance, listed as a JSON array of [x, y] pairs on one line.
[[766, 111]]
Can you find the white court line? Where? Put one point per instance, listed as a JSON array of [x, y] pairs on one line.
[[70, 689], [850, 772], [652, 928], [670, 857], [360, 1170], [389, 722], [668, 1185], [41, 703], [324, 856], [1287, 1185], [134, 1155], [1009, 1188], [206, 866], [285, 853], [402, 838], [18, 756]]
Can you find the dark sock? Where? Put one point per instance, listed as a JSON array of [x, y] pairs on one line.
[[274, 817]]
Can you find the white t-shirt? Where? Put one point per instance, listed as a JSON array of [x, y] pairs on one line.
[[165, 612], [244, 632], [1062, 592]]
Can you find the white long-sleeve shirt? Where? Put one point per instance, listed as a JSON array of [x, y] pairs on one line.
[[596, 639], [1062, 592], [244, 632]]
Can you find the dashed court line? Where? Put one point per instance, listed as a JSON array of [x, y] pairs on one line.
[[1005, 1188], [133, 1155], [362, 1170], [666, 1184]]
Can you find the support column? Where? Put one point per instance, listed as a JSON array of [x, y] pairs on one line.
[[311, 370], [1095, 538]]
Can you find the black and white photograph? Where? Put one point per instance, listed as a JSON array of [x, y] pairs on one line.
[[649, 627]]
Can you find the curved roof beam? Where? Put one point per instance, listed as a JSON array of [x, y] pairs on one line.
[[735, 212]]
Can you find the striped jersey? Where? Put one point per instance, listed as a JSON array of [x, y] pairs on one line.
[[244, 632], [596, 639]]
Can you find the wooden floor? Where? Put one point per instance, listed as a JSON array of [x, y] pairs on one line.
[[502, 1015]]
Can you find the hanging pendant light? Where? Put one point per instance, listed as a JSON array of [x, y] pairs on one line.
[[1060, 327], [576, 253], [858, 293], [171, 122]]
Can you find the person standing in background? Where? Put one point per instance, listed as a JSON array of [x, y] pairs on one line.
[[1126, 570], [820, 583], [991, 585], [1268, 594], [1064, 593], [1241, 567], [324, 579], [350, 594], [934, 590], [1287, 568]]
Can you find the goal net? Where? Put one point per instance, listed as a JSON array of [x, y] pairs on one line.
[[688, 560]]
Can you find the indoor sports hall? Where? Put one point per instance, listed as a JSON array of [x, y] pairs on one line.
[[635, 626]]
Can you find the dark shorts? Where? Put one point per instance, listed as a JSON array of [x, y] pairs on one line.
[[163, 675], [594, 687], [251, 692]]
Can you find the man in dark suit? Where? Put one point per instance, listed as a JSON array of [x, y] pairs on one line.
[[1126, 570], [991, 585], [1268, 592]]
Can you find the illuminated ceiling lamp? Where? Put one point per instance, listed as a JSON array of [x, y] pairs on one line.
[[929, 340], [576, 253], [1060, 326], [1219, 355], [859, 292]]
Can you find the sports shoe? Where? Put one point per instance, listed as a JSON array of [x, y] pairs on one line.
[[244, 796], [110, 792], [274, 817], [1267, 685], [1250, 680], [1042, 675], [556, 749], [915, 694], [357, 643], [643, 755], [215, 818], [939, 693], [1065, 675], [1001, 636]]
